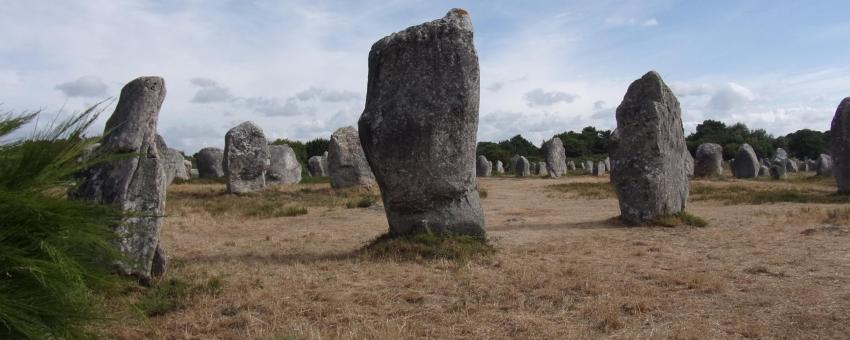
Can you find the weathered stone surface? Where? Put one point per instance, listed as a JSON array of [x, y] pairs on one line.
[[135, 183], [689, 163], [556, 157], [607, 164], [522, 168], [172, 162], [483, 167], [763, 170], [708, 160], [824, 165], [422, 106], [210, 163], [571, 166], [780, 160], [588, 166], [746, 164], [513, 161], [284, 167], [500, 168], [159, 266], [839, 145], [792, 165], [246, 158], [542, 169], [599, 168], [347, 164], [647, 160], [195, 173], [317, 166], [186, 174]]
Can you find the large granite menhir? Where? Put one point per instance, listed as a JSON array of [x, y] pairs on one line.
[[246, 158], [210, 161], [556, 157], [284, 167], [422, 108], [647, 159], [483, 167], [839, 146], [318, 165], [708, 160], [135, 183], [746, 164], [347, 164]]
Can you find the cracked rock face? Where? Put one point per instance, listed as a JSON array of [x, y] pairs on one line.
[[347, 164], [708, 160], [824, 165], [210, 162], [840, 146], [746, 164], [135, 183], [284, 167], [483, 167], [246, 158], [422, 108], [648, 167], [556, 157]]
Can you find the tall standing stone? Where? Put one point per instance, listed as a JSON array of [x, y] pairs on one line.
[[513, 161], [556, 157], [599, 168], [745, 164], [571, 166], [210, 162], [317, 166], [246, 158], [500, 168], [708, 160], [824, 165], [839, 145], [422, 100], [483, 167], [778, 168], [588, 166], [135, 183], [689, 163], [647, 160], [523, 167], [347, 163], [284, 167]]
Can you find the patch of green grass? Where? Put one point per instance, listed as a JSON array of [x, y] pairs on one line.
[[591, 190], [198, 180], [363, 202], [747, 194], [272, 210], [175, 294], [428, 246], [271, 203], [315, 180], [679, 219], [482, 193]]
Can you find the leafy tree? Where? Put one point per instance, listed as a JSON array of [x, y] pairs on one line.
[[518, 145], [316, 147], [298, 147], [806, 143]]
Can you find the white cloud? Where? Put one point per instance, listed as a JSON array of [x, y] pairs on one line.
[[538, 97], [210, 92], [621, 21], [730, 96], [89, 86]]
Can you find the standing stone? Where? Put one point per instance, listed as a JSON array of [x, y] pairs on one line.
[[483, 167], [210, 161], [284, 167], [542, 169], [513, 161], [316, 167], [195, 173], [246, 158], [571, 166], [588, 166], [839, 146], [607, 164], [556, 157], [708, 160], [136, 181], [173, 165], [522, 168], [824, 165], [347, 164], [599, 169], [792, 166], [780, 160], [689, 163], [647, 160], [422, 106], [500, 168], [763, 170], [187, 165], [746, 164]]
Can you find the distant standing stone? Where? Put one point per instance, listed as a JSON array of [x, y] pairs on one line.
[[763, 170], [792, 165], [689, 163], [778, 168], [284, 167], [571, 166], [317, 166], [746, 164], [599, 169], [210, 162], [483, 168], [556, 157], [500, 168], [647, 160], [136, 181], [523, 167], [824, 165], [840, 145], [347, 164], [588, 166], [422, 106], [246, 158], [513, 161], [708, 160]]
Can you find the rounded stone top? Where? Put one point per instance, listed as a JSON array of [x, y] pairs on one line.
[[459, 17]]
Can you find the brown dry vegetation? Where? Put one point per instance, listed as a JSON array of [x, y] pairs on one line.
[[562, 268]]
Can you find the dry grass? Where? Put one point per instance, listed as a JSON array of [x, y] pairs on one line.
[[561, 269]]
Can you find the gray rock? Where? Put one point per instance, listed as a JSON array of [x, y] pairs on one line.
[[246, 158], [422, 106], [607, 164], [500, 168], [746, 164], [599, 169], [824, 165], [135, 183], [647, 160], [210, 162], [780, 160], [839, 145], [483, 167], [689, 163], [589, 166], [513, 161], [317, 166], [763, 170], [88, 152], [571, 166], [284, 167], [541, 169], [792, 165], [522, 168], [186, 174], [195, 173], [159, 266], [556, 157], [173, 162], [708, 160], [347, 164]]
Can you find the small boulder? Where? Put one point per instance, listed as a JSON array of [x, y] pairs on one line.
[[746, 164], [347, 164], [708, 160], [210, 162], [284, 167], [483, 167], [246, 158], [824, 165], [522, 168]]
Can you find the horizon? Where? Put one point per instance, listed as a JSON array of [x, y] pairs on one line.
[[298, 69]]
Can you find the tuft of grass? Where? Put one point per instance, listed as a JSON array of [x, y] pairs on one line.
[[591, 190], [363, 202], [748, 194], [174, 294], [428, 246], [682, 218], [837, 216], [482, 193], [272, 210], [314, 180]]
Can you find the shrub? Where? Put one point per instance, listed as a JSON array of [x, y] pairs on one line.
[[427, 245]]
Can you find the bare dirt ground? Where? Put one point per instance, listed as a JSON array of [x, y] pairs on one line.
[[562, 269]]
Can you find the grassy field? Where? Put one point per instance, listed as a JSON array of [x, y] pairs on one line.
[[301, 262]]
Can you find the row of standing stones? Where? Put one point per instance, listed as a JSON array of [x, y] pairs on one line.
[[421, 108]]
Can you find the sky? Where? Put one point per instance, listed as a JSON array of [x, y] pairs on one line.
[[299, 68]]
